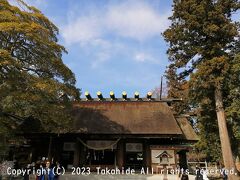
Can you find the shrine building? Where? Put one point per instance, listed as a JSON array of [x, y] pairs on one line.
[[120, 132]]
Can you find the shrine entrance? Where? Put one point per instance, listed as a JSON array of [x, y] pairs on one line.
[[100, 153], [134, 155], [101, 157]]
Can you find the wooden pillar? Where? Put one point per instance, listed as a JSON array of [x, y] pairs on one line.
[[76, 154], [34, 155], [50, 148], [147, 155], [183, 159], [58, 148], [55, 150], [82, 154], [120, 154]]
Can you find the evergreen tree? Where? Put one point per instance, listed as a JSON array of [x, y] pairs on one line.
[[232, 101], [201, 38]]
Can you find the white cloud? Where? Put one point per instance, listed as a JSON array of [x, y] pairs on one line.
[[145, 57], [83, 30], [101, 57], [103, 33], [138, 21], [104, 50], [141, 57]]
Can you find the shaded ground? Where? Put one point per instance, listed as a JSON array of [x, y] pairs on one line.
[[94, 176]]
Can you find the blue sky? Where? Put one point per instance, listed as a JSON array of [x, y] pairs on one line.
[[112, 45]]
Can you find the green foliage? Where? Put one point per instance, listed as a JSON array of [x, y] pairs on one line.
[[233, 99], [203, 42], [34, 82], [208, 126]]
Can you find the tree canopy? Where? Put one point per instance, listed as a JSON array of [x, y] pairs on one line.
[[34, 81], [204, 65]]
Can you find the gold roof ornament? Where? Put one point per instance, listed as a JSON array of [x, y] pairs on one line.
[[112, 95], [100, 96], [124, 95], [88, 96], [136, 95], [149, 95]]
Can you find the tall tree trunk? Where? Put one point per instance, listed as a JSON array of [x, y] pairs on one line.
[[223, 132]]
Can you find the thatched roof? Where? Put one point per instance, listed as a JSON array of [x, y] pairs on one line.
[[111, 117], [187, 129]]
